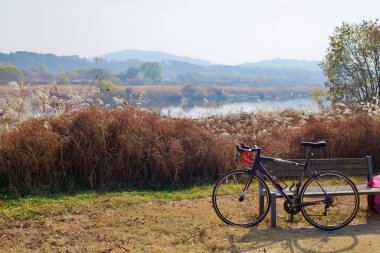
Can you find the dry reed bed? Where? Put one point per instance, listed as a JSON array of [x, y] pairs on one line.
[[280, 133], [102, 148]]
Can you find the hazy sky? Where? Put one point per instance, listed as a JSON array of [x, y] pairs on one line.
[[221, 31]]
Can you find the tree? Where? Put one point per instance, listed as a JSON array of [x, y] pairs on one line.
[[152, 71], [100, 74], [9, 72], [352, 62], [319, 96], [131, 73], [193, 94], [108, 86], [62, 79], [38, 74], [44, 73]]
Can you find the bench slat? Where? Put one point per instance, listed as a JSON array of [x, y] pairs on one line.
[[362, 189], [313, 166], [297, 173], [333, 161]]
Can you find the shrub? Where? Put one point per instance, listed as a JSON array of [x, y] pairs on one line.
[[280, 133], [108, 86], [193, 94], [101, 148], [62, 79], [216, 94]]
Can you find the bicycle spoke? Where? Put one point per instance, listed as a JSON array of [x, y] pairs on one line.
[[338, 210], [243, 212]]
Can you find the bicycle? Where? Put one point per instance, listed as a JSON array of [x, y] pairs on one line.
[[242, 197]]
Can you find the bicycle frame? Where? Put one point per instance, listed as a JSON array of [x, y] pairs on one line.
[[257, 165]]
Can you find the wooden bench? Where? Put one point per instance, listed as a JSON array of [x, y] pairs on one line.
[[347, 166]]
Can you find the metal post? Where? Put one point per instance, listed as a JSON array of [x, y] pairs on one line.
[[273, 209], [261, 195], [370, 168]]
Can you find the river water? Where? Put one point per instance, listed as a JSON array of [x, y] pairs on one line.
[[304, 104]]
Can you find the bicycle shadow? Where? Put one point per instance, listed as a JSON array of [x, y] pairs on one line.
[[308, 239]]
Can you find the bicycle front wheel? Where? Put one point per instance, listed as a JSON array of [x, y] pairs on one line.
[[241, 198], [329, 201]]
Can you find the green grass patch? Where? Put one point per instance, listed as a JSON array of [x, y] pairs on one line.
[[44, 204], [31, 207]]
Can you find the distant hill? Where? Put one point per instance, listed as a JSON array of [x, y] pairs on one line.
[[150, 56], [285, 64], [277, 72], [54, 63]]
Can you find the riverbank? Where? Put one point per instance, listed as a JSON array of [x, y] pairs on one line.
[[20, 102]]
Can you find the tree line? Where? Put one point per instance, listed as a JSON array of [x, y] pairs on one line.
[[147, 73]]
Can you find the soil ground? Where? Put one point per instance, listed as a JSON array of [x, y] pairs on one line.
[[188, 225]]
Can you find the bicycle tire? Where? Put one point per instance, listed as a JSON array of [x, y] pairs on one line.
[[346, 206], [227, 194]]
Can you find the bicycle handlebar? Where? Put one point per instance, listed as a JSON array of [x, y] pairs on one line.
[[244, 153], [244, 148]]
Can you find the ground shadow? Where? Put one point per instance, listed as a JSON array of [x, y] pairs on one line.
[[293, 239]]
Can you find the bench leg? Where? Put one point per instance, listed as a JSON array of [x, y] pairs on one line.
[[261, 194], [273, 209], [261, 205]]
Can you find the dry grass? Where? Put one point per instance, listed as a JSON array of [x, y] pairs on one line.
[[101, 148], [120, 224], [280, 133], [63, 89]]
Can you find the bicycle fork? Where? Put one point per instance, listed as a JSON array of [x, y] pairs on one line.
[[249, 181]]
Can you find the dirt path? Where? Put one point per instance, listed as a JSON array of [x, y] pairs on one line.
[[176, 226]]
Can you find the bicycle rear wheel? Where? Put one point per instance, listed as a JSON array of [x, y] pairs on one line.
[[329, 201], [237, 207]]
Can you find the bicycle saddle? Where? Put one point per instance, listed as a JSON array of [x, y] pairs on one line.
[[318, 144]]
